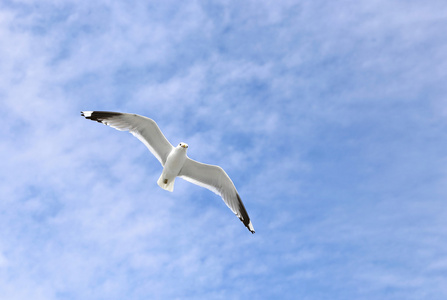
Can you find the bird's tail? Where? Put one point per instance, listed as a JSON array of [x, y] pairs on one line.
[[166, 184]]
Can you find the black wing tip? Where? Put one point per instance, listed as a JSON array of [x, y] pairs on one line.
[[244, 215], [99, 116], [248, 225]]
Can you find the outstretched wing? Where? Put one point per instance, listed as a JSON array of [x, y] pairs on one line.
[[216, 180], [145, 129]]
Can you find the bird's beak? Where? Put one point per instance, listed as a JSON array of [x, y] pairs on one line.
[[184, 146]]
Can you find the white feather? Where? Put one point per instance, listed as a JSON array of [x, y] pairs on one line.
[[216, 180], [145, 129]]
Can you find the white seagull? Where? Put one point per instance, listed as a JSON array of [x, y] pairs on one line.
[[174, 160]]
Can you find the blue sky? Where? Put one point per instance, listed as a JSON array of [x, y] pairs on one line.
[[330, 117]]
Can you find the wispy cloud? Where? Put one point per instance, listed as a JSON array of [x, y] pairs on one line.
[[329, 118]]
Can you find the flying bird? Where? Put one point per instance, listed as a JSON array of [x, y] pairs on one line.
[[174, 160]]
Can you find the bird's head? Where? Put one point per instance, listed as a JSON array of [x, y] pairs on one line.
[[184, 145]]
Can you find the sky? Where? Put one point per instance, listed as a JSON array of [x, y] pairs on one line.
[[329, 116]]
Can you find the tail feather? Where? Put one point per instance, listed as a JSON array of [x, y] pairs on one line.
[[166, 184]]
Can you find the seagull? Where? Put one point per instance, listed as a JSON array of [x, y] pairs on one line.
[[174, 160]]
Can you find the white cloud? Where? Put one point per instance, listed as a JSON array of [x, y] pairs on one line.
[[301, 103]]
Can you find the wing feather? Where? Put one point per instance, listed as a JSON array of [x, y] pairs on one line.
[[143, 128], [216, 180]]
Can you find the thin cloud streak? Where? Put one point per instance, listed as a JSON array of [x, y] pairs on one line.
[[329, 118]]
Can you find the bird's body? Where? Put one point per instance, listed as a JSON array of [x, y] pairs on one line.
[[172, 167], [174, 160]]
